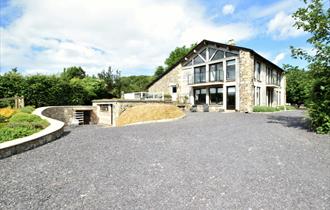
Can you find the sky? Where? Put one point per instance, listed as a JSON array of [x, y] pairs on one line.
[[45, 36]]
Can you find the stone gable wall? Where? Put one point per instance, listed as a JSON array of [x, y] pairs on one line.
[[175, 76]]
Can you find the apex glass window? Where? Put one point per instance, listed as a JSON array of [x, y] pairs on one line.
[[216, 95], [216, 72], [200, 74], [230, 70], [198, 60], [218, 55]]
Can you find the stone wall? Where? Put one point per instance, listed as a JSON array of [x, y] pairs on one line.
[[116, 107], [174, 77], [246, 75], [66, 113]]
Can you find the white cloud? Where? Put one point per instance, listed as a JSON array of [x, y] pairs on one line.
[[228, 9], [281, 26], [271, 9], [279, 57], [129, 35]]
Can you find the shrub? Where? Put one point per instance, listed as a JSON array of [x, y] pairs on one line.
[[24, 117], [285, 107], [7, 112], [21, 124], [264, 109], [27, 109], [9, 133]]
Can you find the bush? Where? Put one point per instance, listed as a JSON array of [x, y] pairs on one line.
[[27, 109], [284, 107], [7, 112], [9, 133], [20, 125], [24, 117], [264, 109]]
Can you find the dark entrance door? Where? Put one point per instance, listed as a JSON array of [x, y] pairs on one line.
[[231, 97], [87, 117]]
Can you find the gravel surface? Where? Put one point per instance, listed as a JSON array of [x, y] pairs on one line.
[[204, 161]]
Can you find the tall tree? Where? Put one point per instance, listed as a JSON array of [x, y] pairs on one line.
[[73, 72], [314, 18], [298, 85], [112, 81], [177, 54], [159, 71]]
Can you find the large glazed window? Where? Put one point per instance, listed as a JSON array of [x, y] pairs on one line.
[[199, 74], [200, 96], [216, 95], [216, 72], [218, 55], [198, 60], [257, 70], [230, 70]]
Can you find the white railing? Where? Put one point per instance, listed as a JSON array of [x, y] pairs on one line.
[[144, 96]]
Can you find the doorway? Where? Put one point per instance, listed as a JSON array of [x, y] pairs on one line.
[[231, 97]]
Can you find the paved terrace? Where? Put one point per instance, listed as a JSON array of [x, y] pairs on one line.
[[205, 161]]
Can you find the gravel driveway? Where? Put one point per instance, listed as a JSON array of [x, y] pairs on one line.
[[204, 161]]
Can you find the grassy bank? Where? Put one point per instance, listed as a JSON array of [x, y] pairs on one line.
[[148, 112]]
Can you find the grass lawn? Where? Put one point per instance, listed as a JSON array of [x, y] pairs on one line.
[[148, 112]]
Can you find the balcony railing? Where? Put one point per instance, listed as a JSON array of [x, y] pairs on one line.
[[273, 81], [201, 78]]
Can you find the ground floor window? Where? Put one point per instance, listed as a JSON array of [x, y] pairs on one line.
[[200, 96], [257, 97], [216, 95]]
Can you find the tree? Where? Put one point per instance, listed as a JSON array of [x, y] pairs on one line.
[[112, 81], [315, 19], [177, 54], [135, 83], [159, 71], [298, 85], [73, 72], [11, 84]]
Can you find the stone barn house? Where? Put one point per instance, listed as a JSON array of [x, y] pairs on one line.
[[224, 77]]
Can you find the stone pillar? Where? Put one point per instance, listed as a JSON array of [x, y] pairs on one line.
[[246, 65]]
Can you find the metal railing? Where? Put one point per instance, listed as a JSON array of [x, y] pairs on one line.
[[144, 96]]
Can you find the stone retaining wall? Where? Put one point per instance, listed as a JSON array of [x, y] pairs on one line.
[[66, 113]]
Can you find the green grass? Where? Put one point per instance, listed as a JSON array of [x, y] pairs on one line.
[[272, 109], [21, 125]]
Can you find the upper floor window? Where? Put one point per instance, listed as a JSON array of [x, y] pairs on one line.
[[230, 70], [200, 74], [257, 70], [216, 72]]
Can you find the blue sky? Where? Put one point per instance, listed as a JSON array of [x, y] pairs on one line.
[[45, 36]]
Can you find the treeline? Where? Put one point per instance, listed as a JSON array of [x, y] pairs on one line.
[[72, 87], [312, 87]]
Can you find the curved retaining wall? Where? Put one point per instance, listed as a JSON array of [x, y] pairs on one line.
[[52, 132]]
